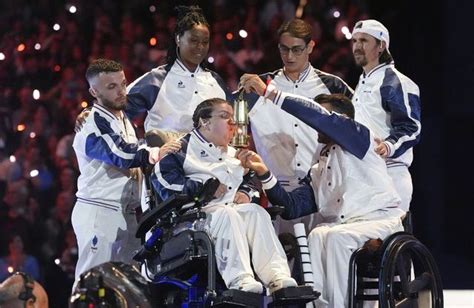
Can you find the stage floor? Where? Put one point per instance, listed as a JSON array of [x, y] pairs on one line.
[[458, 298]]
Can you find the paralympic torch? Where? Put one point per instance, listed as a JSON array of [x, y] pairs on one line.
[[241, 119]]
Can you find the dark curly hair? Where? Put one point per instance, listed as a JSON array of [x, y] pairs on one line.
[[187, 18]]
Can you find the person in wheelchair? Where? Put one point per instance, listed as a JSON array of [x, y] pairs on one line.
[[242, 231], [349, 186]]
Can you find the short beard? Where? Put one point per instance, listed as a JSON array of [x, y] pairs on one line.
[[362, 62], [113, 105]]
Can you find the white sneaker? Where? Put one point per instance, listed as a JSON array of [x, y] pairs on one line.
[[247, 284], [281, 283]]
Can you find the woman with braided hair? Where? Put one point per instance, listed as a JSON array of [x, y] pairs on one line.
[[171, 92]]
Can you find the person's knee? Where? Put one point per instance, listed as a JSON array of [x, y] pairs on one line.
[[224, 214], [339, 239], [317, 236], [257, 210]]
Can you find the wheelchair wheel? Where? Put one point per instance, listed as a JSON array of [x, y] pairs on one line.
[[409, 276]]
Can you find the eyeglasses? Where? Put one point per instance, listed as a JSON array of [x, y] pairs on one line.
[[296, 50], [225, 116]]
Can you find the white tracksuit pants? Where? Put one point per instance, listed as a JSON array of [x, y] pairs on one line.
[[103, 235], [403, 184], [331, 247], [238, 230]]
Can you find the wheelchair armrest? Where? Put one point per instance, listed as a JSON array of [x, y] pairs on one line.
[[175, 202]]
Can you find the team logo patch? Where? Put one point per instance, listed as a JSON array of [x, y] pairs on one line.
[[181, 85], [94, 242], [204, 154]]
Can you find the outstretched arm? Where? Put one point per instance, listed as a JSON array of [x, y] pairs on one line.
[[349, 134], [297, 203]]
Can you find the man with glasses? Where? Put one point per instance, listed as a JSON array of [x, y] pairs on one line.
[[286, 144]]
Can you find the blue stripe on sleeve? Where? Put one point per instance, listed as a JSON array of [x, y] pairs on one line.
[[405, 132], [98, 148], [222, 84], [108, 134], [335, 84], [142, 94], [349, 134], [111, 148], [168, 177], [297, 203]]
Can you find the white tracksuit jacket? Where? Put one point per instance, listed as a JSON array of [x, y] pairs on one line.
[[236, 229], [388, 103], [287, 145], [349, 186], [170, 94], [104, 215]]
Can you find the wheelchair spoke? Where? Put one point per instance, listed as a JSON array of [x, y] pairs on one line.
[[407, 303], [405, 277]]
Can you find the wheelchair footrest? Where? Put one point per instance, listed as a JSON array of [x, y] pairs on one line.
[[294, 296], [237, 298]]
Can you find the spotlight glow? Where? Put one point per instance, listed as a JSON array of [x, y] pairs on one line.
[[210, 59], [152, 8], [10, 269], [21, 47], [12, 158], [348, 36], [56, 27], [36, 94], [345, 30], [20, 127], [2, 56], [34, 173], [243, 33], [336, 14], [37, 46], [72, 9], [229, 36], [57, 261], [32, 135], [84, 104], [153, 41]]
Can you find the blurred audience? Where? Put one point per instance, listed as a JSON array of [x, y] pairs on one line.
[[44, 49], [18, 261]]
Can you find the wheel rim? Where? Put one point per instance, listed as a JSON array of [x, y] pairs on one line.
[[407, 250]]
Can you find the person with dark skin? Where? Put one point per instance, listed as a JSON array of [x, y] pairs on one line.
[[170, 93], [349, 187]]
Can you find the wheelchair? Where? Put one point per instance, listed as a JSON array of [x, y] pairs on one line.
[[398, 272], [179, 260]]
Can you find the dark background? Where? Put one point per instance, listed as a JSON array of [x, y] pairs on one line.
[[429, 41]]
